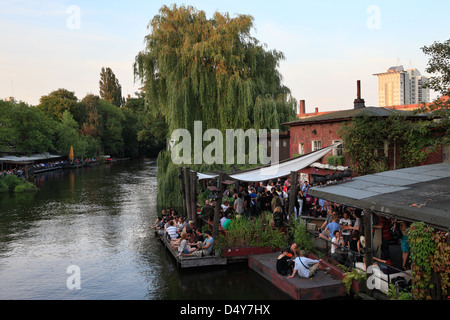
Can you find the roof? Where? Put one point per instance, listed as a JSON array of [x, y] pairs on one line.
[[29, 159], [351, 113], [413, 194]]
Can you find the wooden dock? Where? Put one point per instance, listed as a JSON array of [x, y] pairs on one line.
[[321, 286], [191, 262]]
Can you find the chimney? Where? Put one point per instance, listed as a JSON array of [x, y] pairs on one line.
[[317, 110], [359, 103], [302, 107]]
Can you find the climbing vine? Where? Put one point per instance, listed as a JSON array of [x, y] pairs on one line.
[[430, 265], [367, 135]]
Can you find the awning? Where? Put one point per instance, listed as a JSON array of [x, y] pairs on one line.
[[414, 194], [277, 170]]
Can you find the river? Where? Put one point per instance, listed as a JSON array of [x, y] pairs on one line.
[[85, 236]]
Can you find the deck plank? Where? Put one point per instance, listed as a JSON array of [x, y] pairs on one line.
[[191, 262]]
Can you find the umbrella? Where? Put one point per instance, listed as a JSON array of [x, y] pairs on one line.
[[71, 153]]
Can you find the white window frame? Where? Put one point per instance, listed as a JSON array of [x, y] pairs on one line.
[[316, 145], [301, 148], [338, 151]]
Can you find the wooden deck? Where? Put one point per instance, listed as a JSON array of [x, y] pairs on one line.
[[321, 286], [191, 262]]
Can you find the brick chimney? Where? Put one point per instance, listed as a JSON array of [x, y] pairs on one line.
[[302, 107], [359, 103]]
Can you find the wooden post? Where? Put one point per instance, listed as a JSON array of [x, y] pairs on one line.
[[216, 223], [368, 234], [193, 215], [182, 188], [293, 193], [187, 188]]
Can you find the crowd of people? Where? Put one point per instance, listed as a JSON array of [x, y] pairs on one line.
[[17, 172], [342, 228], [183, 235], [253, 199]]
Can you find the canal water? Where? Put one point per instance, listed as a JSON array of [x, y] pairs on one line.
[[85, 236]]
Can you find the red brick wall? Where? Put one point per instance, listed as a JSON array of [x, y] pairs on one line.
[[325, 132]]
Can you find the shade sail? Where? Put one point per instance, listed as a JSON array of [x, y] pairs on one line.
[[277, 170]]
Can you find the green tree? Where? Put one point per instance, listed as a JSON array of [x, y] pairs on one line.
[[111, 131], [210, 70], [68, 136], [194, 68], [439, 67], [7, 130], [30, 131], [110, 89], [58, 101]]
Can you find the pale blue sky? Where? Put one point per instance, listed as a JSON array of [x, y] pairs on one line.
[[329, 45]]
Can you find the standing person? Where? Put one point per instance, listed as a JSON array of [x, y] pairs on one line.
[[336, 248], [346, 225], [306, 267], [382, 230], [304, 189], [328, 233], [238, 204], [300, 198], [404, 244]]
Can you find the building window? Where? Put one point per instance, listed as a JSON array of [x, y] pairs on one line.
[[316, 145], [338, 151], [301, 148]]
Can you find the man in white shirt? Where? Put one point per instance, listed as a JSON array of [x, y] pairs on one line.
[[306, 267], [172, 231]]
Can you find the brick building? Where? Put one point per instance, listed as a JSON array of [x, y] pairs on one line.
[[318, 130]]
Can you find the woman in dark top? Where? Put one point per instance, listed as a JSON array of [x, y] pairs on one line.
[[284, 262]]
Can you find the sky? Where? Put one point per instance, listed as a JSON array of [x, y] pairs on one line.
[[328, 45]]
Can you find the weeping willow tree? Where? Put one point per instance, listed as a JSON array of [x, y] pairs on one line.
[[210, 70]]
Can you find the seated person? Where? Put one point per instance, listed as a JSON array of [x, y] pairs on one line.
[[184, 244], [284, 263], [227, 222], [203, 248], [306, 267]]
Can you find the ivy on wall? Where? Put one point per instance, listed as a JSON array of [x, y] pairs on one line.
[[366, 136], [430, 262]]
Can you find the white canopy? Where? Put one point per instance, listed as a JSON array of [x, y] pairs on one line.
[[277, 170]]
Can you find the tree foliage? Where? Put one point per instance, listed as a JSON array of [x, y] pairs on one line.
[[212, 70], [93, 126], [110, 89], [209, 70], [439, 67], [58, 101]]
